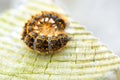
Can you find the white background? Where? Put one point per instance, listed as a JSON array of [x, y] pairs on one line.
[[102, 17]]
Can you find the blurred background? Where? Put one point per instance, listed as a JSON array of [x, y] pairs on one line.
[[102, 17]]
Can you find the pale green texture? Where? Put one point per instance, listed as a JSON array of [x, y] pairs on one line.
[[83, 58]]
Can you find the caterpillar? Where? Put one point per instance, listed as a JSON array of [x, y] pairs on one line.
[[45, 32]]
